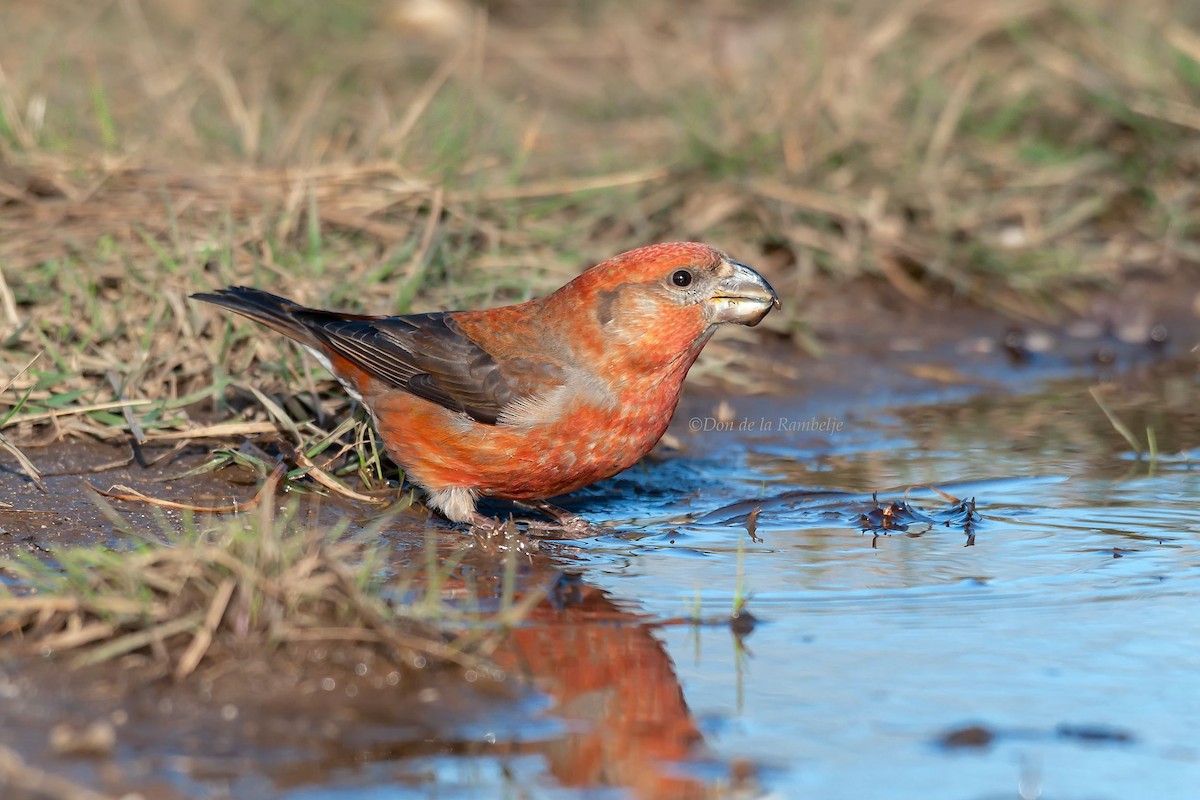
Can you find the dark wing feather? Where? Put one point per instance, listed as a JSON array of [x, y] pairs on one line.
[[428, 355], [425, 354]]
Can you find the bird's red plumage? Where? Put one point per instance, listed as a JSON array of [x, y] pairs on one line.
[[538, 399]]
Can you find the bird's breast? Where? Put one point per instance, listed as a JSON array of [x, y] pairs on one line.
[[552, 445]]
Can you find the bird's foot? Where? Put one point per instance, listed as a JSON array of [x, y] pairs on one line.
[[496, 536], [481, 523], [574, 528], [565, 525]]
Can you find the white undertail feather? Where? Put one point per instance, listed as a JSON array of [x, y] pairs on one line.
[[324, 361], [457, 502]]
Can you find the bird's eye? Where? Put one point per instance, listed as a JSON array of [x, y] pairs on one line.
[[681, 278]]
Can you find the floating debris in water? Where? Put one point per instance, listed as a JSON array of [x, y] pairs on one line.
[[742, 622], [752, 526], [896, 516], [981, 736], [967, 736], [902, 517], [1093, 733]]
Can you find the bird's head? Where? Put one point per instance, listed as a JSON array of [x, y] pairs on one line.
[[665, 299]]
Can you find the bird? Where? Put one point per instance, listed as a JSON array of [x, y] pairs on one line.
[[534, 400]]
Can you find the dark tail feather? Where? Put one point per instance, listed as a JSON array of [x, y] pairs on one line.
[[277, 313]]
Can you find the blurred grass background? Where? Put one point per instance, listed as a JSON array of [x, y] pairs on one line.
[[395, 155]]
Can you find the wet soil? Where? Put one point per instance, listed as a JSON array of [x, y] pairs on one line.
[[584, 696]]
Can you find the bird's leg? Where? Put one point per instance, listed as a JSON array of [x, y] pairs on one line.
[[486, 523], [570, 523]]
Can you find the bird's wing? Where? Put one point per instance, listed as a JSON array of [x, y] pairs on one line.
[[431, 357]]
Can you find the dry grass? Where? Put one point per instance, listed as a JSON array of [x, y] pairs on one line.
[[18, 775], [359, 156], [258, 580]]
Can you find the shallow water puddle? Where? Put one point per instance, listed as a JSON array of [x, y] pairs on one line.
[[900, 641], [1059, 632]]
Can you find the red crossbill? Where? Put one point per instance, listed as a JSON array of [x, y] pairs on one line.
[[533, 400]]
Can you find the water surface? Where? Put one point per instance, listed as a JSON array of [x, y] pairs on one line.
[[1043, 644], [1064, 630]]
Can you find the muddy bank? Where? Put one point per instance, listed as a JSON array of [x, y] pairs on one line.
[[580, 695]]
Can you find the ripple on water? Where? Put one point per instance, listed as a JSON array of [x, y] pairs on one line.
[[1072, 604]]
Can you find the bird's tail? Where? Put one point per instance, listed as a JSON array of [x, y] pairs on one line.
[[277, 313]]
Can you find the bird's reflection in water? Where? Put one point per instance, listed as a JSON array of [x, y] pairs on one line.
[[615, 685]]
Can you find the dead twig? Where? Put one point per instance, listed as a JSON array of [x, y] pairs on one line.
[[131, 495]]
